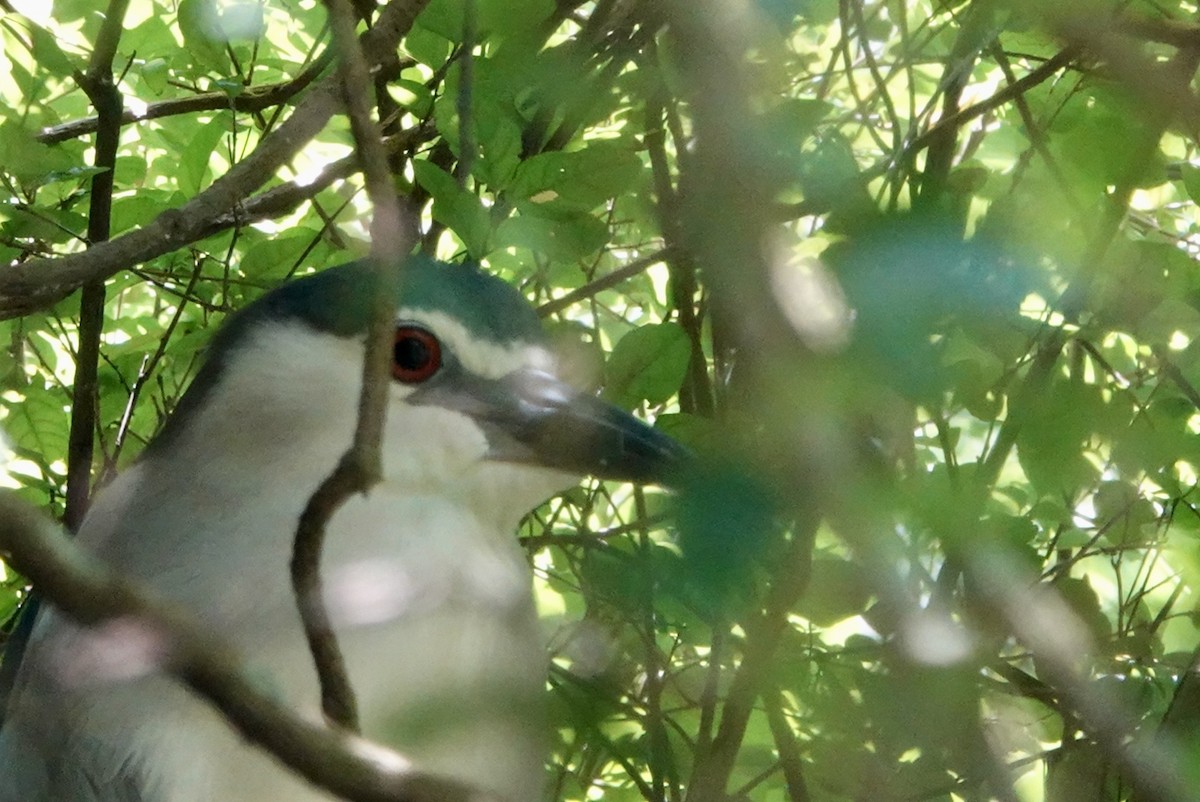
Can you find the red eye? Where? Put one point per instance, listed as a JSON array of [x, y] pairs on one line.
[[416, 355]]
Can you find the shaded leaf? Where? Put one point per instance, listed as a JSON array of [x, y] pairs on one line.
[[647, 364]]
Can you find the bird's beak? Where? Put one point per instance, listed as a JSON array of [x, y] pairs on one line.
[[532, 417]]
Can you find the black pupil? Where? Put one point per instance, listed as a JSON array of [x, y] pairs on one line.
[[411, 353]]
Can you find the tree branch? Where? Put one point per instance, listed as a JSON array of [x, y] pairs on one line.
[[252, 100], [786, 746], [98, 83], [359, 468], [710, 774], [605, 282]]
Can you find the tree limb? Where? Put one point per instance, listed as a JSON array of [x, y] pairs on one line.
[[252, 100], [98, 83], [360, 467]]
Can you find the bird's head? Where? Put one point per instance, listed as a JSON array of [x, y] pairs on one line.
[[476, 406]]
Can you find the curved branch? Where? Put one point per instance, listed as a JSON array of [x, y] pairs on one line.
[[360, 467]]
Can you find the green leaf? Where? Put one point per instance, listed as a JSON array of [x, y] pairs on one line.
[[608, 574], [726, 519], [37, 426], [1050, 443], [200, 25], [829, 176], [1191, 181], [647, 364], [835, 591], [155, 73], [272, 258], [454, 207], [130, 170], [241, 21], [506, 17], [193, 161], [151, 39], [1122, 514], [1170, 317], [500, 150], [51, 225], [1107, 145], [581, 179], [413, 95], [1081, 597], [48, 54], [785, 128], [28, 160], [133, 211], [427, 46], [494, 17], [696, 432], [566, 239]]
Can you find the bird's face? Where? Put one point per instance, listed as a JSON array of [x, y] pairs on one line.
[[494, 422], [454, 422], [476, 410]]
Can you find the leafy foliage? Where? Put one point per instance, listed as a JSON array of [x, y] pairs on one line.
[[943, 546]]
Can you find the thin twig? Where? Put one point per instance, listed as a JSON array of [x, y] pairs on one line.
[[254, 99], [359, 468], [605, 282]]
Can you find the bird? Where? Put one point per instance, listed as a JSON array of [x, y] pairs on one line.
[[428, 588]]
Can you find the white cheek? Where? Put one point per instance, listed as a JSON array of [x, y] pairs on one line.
[[429, 446]]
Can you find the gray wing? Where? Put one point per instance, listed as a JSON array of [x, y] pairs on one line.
[[82, 771], [48, 751]]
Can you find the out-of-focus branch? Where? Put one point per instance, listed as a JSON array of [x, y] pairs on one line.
[[359, 468], [1162, 29], [726, 194], [89, 592], [1156, 84], [38, 283], [711, 772], [786, 746], [1059, 640]]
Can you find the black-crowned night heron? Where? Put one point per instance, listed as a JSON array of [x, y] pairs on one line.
[[428, 589]]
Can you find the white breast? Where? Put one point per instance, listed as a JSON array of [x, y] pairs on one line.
[[430, 591]]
